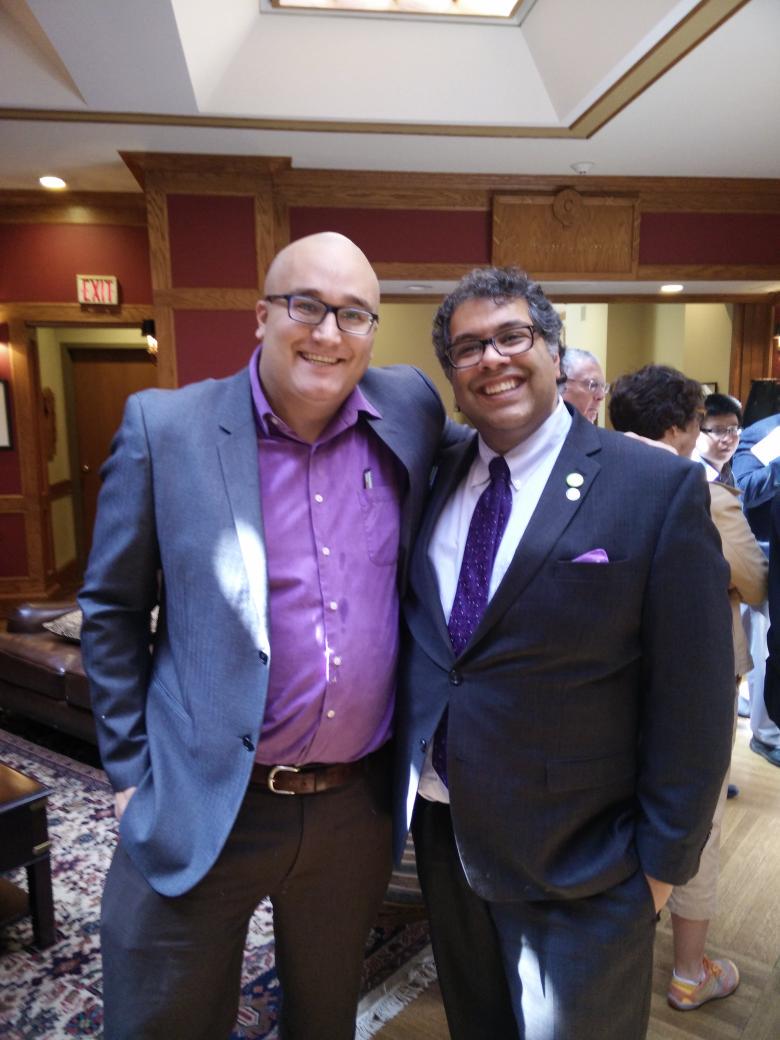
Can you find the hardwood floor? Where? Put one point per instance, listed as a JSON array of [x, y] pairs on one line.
[[747, 929]]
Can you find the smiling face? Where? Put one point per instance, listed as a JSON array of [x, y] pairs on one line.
[[506, 398], [308, 371]]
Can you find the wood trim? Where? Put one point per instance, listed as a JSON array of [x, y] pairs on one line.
[[423, 272], [31, 208], [33, 313], [62, 489], [13, 504], [167, 373], [159, 237], [706, 272], [207, 299], [204, 174], [686, 35], [265, 234]]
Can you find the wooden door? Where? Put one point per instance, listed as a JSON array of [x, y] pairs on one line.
[[103, 379]]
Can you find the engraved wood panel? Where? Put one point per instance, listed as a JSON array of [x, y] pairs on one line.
[[566, 235]]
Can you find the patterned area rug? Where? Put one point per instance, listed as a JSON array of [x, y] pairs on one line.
[[54, 994]]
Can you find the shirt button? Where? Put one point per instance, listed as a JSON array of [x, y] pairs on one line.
[[325, 551], [337, 661], [274, 420], [331, 714], [318, 498], [333, 605]]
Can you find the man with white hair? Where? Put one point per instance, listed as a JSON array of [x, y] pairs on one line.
[[585, 387]]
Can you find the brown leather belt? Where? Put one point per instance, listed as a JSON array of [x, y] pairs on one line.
[[305, 779]]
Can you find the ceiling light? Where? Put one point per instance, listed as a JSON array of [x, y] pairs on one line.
[[419, 288], [52, 183], [582, 167], [673, 287]]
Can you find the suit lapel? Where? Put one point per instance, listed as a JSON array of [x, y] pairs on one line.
[[238, 456], [553, 514], [453, 465]]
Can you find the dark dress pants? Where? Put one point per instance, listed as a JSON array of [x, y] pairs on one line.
[[172, 966], [577, 969]]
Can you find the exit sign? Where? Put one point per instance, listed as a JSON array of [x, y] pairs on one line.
[[97, 288]]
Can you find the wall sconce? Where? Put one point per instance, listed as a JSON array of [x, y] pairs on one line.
[[148, 330], [5, 334], [775, 338]]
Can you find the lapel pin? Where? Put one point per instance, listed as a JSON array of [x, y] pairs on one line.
[[572, 493], [575, 480]]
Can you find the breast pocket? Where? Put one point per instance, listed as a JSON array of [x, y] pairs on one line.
[[382, 524]]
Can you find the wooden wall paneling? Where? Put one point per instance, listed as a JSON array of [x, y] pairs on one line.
[[265, 233], [706, 272], [281, 222], [167, 374], [421, 272], [159, 237], [566, 235], [751, 346], [74, 208]]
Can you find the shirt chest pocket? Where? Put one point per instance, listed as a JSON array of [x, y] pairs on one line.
[[381, 513]]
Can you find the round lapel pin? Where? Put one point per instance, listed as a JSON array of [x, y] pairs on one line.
[[575, 480], [572, 494]]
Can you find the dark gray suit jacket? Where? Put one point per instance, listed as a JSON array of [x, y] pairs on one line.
[[590, 716], [180, 506]]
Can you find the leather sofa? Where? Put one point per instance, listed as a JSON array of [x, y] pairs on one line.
[[41, 674]]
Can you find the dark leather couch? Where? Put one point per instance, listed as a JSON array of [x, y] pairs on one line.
[[41, 675]]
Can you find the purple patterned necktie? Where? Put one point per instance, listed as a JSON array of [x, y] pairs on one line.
[[486, 529]]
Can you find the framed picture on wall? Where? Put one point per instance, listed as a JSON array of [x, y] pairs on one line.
[[710, 387], [6, 440]]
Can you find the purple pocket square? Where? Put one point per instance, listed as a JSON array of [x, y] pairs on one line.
[[592, 556]]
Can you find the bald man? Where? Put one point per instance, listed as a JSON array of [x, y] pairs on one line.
[[269, 516]]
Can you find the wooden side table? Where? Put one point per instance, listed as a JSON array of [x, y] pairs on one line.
[[24, 842]]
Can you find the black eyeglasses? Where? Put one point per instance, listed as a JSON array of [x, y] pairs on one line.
[[310, 311], [593, 386], [468, 352], [720, 432]]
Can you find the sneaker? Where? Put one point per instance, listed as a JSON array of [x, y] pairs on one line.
[[767, 751], [721, 978]]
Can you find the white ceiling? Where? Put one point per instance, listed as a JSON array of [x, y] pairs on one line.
[[386, 87], [713, 113]]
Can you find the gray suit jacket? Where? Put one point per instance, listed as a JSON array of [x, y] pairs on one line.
[[590, 716], [179, 523]]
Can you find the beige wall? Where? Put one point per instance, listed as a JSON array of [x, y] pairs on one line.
[[404, 338]]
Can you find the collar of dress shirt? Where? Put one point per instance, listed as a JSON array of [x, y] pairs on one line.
[[710, 472], [268, 423], [528, 453]]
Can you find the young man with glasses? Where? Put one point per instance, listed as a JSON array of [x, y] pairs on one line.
[[719, 436], [585, 387], [270, 515], [559, 754]]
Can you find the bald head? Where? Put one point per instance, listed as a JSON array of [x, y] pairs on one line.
[[326, 252]]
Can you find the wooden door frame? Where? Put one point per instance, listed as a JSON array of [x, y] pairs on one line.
[[33, 502]]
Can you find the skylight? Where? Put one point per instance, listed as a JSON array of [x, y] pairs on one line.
[[502, 9]]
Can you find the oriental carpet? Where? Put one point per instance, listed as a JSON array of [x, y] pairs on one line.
[[54, 994]]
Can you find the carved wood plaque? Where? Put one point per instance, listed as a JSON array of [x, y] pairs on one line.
[[567, 235]]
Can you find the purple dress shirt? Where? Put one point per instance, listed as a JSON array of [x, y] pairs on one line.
[[331, 520]]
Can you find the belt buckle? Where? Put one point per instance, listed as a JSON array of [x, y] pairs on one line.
[[272, 778]]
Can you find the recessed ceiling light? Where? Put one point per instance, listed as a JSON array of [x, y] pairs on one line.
[[673, 287], [419, 288], [53, 183]]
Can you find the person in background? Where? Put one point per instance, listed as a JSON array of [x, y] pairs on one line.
[[560, 782], [269, 514], [644, 403], [584, 385], [756, 468], [719, 437]]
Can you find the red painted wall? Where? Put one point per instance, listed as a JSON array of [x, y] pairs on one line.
[[10, 474], [212, 343], [212, 241], [39, 262], [425, 236], [710, 238], [13, 549]]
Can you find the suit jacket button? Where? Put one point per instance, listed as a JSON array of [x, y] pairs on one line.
[[423, 744], [263, 656], [246, 740], [455, 677]]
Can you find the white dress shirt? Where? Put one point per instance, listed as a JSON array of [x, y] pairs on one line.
[[530, 464]]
